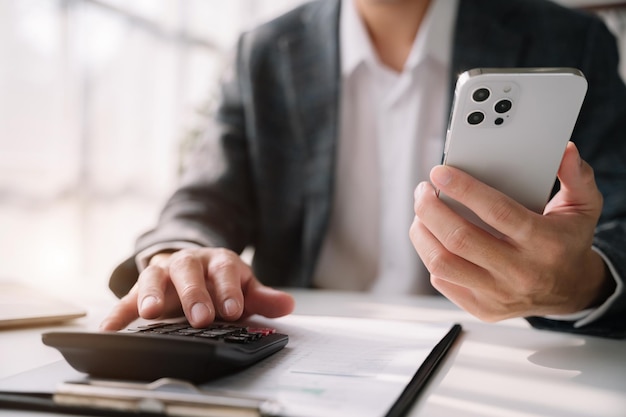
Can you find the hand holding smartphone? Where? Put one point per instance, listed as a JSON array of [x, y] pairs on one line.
[[509, 129]]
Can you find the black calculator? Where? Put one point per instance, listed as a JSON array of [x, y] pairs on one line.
[[167, 350]]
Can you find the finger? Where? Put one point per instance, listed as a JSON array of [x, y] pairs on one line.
[[226, 272], [266, 301], [445, 265], [456, 234], [151, 292], [459, 295], [493, 207], [123, 313], [474, 302], [187, 273]]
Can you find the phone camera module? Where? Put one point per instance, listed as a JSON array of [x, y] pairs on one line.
[[475, 118], [503, 106], [480, 95]]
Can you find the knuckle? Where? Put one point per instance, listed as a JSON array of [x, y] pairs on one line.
[[192, 292], [458, 240], [223, 261], [500, 210], [182, 259], [221, 265], [224, 255], [437, 263]]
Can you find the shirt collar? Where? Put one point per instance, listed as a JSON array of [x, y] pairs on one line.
[[355, 44], [434, 39]]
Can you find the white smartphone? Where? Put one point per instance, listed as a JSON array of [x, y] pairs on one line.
[[509, 129]]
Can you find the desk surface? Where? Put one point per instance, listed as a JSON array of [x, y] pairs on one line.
[[505, 369]]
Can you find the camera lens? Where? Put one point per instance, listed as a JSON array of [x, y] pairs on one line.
[[475, 118], [481, 94], [503, 106]]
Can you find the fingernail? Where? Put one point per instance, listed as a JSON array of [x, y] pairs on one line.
[[148, 302], [199, 312], [441, 175], [230, 307]]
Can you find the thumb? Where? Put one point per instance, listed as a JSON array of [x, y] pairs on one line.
[[578, 190], [266, 301], [124, 312]]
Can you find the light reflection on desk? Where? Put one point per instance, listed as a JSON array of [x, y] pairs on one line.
[[506, 369]]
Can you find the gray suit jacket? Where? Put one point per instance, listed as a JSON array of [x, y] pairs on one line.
[[264, 173]]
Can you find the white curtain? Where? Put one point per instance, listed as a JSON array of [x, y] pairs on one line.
[[97, 98]]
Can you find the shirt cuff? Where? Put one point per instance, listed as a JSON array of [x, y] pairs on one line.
[[143, 258], [582, 318]]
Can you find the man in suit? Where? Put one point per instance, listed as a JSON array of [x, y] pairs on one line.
[[331, 116]]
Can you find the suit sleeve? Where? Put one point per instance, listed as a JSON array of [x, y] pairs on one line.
[[600, 135]]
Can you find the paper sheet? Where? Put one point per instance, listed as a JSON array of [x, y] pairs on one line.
[[338, 366]]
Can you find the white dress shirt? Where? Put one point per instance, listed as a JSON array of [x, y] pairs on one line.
[[392, 132]]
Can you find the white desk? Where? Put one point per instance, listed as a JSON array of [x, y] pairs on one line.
[[500, 370]]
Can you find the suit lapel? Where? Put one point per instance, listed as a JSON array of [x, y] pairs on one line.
[[312, 73]]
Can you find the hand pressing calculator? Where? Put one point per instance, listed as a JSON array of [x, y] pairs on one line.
[[173, 350]]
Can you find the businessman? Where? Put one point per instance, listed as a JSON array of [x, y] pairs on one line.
[[320, 158]]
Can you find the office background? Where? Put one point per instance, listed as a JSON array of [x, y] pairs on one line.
[[99, 99]]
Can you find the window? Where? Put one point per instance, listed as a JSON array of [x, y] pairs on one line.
[[98, 97]]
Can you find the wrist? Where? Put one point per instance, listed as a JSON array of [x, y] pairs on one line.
[[603, 283]]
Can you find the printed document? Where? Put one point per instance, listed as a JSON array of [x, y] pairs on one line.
[[336, 366]]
